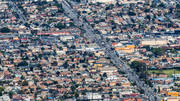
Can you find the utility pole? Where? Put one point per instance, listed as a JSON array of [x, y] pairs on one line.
[[40, 33], [174, 76]]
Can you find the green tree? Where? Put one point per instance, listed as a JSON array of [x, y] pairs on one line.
[[159, 90], [148, 17], [76, 94], [10, 94], [54, 63], [25, 83], [152, 27], [42, 48], [178, 6], [13, 76], [78, 0], [131, 13], [83, 92], [105, 74], [107, 8], [73, 88], [1, 88], [22, 77], [173, 51], [161, 5], [141, 91], [60, 26], [102, 20], [107, 39], [138, 66], [147, 10], [1, 93], [59, 86], [134, 83], [40, 55], [159, 51], [5, 30]]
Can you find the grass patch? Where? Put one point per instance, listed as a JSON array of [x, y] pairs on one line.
[[167, 72]]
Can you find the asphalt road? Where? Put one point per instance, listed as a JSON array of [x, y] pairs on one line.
[[22, 18], [111, 53]]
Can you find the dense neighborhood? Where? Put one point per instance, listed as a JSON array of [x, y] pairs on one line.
[[47, 53]]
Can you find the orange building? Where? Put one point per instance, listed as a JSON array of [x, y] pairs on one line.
[[172, 93], [112, 83], [131, 99], [127, 49]]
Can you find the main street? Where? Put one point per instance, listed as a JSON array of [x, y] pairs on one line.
[[111, 53], [22, 18]]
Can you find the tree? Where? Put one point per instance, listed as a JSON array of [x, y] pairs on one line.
[[60, 26], [135, 29], [5, 30], [150, 55], [131, 13], [147, 10], [159, 51], [153, 5], [161, 5], [173, 51], [77, 85], [134, 83], [102, 20], [148, 17], [159, 90], [105, 74], [107, 39], [55, 82], [65, 64], [83, 92], [138, 66], [107, 8], [13, 76], [10, 94], [51, 90], [65, 96], [78, 0], [25, 83], [73, 88], [100, 89], [1, 88], [76, 94], [54, 63], [23, 63], [42, 48], [22, 77], [40, 55], [155, 90], [58, 73], [141, 91], [152, 27], [59, 86], [111, 6], [73, 47], [0, 93]]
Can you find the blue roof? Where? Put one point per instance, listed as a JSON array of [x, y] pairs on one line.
[[160, 18], [50, 97]]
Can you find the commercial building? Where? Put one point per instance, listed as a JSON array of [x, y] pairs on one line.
[[172, 93], [126, 49], [152, 42]]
